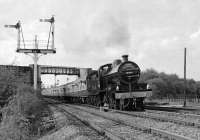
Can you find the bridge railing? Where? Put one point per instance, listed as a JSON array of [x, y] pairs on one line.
[[59, 70]]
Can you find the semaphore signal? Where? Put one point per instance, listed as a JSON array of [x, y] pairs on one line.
[[36, 49]]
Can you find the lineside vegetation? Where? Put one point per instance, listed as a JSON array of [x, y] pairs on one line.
[[22, 114], [169, 85]]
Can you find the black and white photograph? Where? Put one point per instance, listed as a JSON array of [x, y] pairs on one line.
[[99, 70]]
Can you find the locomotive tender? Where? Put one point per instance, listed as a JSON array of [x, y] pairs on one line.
[[115, 85]]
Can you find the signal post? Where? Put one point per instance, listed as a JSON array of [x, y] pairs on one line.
[[47, 48]]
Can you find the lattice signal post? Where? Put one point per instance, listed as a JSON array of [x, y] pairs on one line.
[[47, 48]]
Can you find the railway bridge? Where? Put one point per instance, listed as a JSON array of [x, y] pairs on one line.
[[25, 74], [58, 70]]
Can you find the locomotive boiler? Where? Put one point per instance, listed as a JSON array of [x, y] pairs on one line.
[[114, 84]]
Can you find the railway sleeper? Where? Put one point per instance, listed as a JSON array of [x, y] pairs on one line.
[[94, 127]]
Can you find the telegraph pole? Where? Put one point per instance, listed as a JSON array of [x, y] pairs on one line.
[[49, 47], [185, 82]]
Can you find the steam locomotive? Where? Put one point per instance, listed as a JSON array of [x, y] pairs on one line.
[[114, 85]]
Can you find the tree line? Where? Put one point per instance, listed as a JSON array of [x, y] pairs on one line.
[[169, 85]]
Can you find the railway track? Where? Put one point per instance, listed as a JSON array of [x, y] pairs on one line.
[[150, 129], [143, 129], [115, 130], [175, 117], [195, 118], [170, 109], [193, 114], [102, 128], [192, 120], [173, 124], [89, 128], [98, 129]]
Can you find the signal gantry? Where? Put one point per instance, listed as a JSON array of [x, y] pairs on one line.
[[48, 47]]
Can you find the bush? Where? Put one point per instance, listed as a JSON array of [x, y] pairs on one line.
[[22, 115]]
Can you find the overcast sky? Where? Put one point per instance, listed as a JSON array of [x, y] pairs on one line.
[[89, 33]]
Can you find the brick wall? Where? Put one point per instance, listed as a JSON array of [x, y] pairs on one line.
[[21, 74]]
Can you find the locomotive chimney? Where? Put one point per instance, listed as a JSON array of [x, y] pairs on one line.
[[124, 58]]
